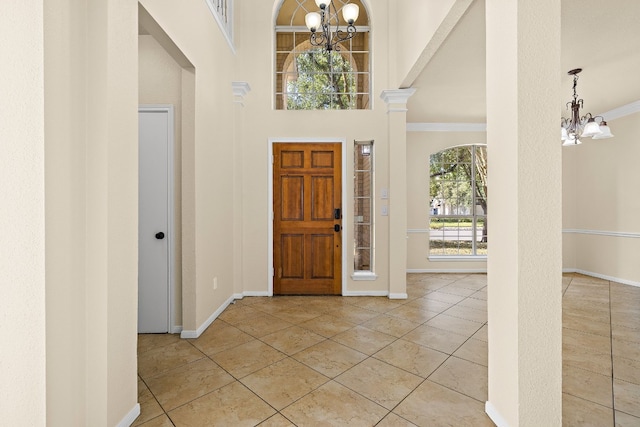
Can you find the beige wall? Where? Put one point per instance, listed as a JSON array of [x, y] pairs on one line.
[[413, 25], [22, 215], [603, 181], [207, 199], [160, 82], [420, 146], [91, 203], [255, 51]]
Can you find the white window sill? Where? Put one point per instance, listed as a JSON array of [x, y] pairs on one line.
[[364, 275], [468, 258]]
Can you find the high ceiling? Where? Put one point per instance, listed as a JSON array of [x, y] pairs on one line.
[[600, 36]]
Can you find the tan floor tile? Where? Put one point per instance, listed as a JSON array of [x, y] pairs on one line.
[[434, 405], [584, 324], [364, 340], [587, 385], [578, 412], [480, 295], [161, 421], [247, 358], [392, 420], [353, 314], [378, 381], [412, 357], [188, 382], [334, 405], [431, 305], [482, 334], [148, 342], [467, 313], [458, 290], [588, 358], [475, 351], [232, 405], [598, 315], [455, 324], [262, 325], [296, 315], [161, 359], [628, 349], [627, 397], [627, 334], [275, 304], [284, 382], [149, 406], [390, 325], [220, 336], [442, 296], [626, 420], [378, 304], [477, 304], [330, 358], [234, 315], [412, 314], [245, 301], [277, 421], [631, 321], [292, 340], [437, 339], [327, 325], [626, 369], [580, 339], [464, 377]]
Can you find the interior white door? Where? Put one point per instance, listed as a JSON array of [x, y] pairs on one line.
[[154, 127]]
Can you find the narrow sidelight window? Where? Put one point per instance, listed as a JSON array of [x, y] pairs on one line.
[[363, 206]]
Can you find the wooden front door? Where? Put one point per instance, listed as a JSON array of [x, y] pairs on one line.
[[307, 239]]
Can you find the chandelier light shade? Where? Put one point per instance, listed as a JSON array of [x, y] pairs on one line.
[[576, 126], [325, 34]]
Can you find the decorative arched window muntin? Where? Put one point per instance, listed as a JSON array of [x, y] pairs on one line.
[[307, 77]]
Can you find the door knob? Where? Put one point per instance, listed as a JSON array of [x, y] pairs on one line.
[[160, 235], [336, 228]]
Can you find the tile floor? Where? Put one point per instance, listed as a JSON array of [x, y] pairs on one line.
[[365, 361]]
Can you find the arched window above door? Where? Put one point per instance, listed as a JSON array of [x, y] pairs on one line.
[[310, 78]]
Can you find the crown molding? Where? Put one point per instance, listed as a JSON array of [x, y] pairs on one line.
[[625, 110], [397, 96]]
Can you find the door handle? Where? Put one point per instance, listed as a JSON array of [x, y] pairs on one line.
[[160, 235], [336, 228], [336, 213]]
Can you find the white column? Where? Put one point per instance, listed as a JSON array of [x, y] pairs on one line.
[[525, 256], [22, 215], [396, 101], [240, 90]]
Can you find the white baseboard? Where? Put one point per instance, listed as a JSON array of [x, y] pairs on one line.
[[254, 294], [398, 296], [365, 293], [447, 270], [495, 416], [176, 329], [130, 417], [209, 321], [602, 276]]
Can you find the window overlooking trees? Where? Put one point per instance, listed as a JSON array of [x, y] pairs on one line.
[[458, 199], [309, 78]]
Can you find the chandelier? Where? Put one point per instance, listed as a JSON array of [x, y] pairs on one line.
[[322, 33], [576, 127]]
